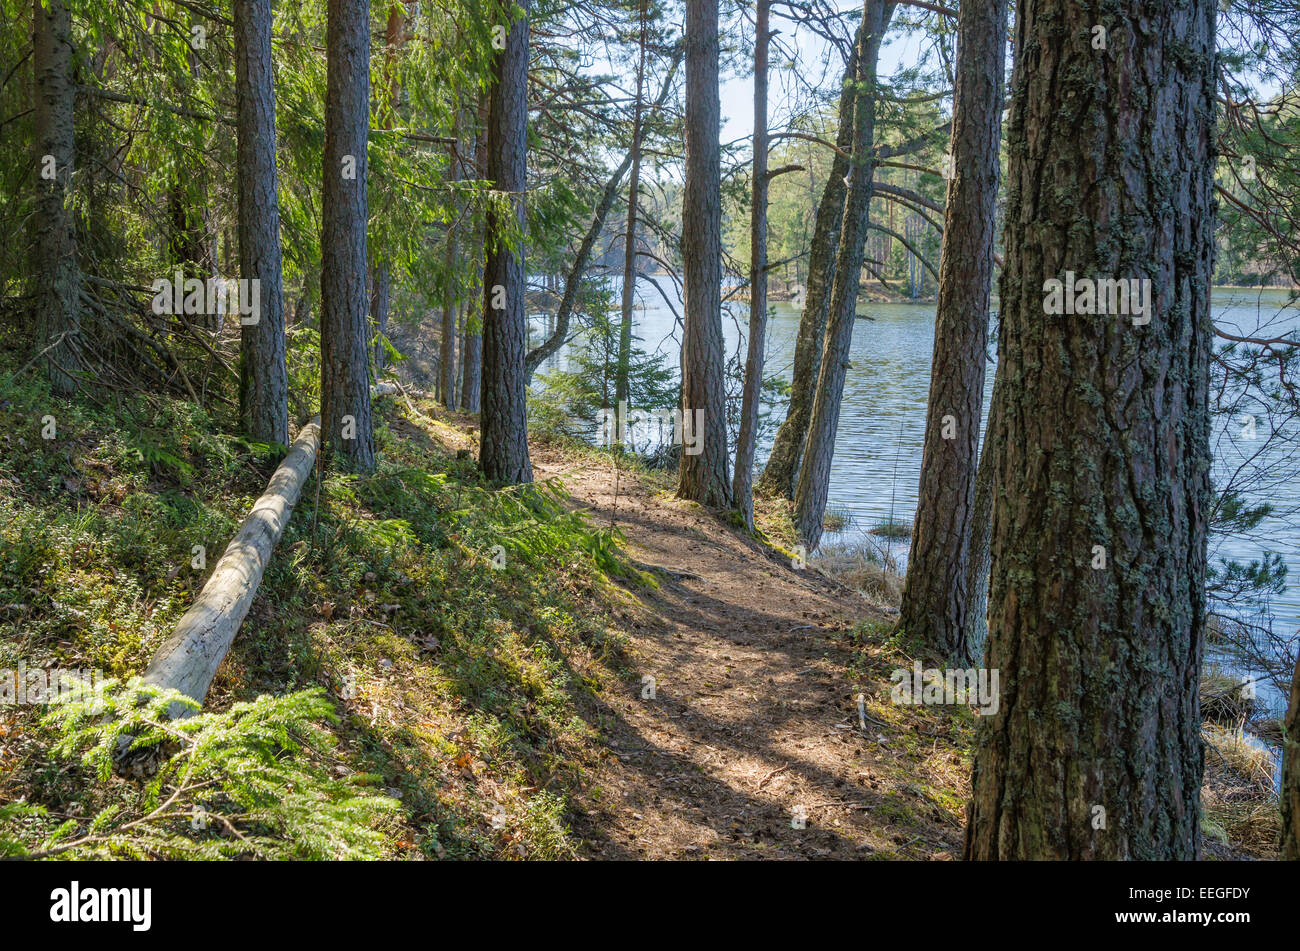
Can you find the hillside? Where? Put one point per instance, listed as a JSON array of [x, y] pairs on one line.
[[636, 680], [502, 709]]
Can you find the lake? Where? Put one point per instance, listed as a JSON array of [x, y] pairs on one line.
[[877, 461]]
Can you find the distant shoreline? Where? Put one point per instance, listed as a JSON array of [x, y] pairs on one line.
[[874, 293]]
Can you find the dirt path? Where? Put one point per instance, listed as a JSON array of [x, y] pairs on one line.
[[754, 720]]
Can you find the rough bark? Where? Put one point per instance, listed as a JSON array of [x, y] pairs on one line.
[[503, 439], [933, 610], [263, 376], [981, 532], [782, 469], [1103, 443], [1291, 774], [742, 488], [55, 273], [381, 278], [188, 660], [345, 364], [815, 471], [704, 476]]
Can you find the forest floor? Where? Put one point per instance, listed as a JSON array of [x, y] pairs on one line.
[[751, 743], [673, 688], [734, 730], [757, 722]]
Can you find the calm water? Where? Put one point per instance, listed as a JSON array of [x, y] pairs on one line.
[[878, 449]]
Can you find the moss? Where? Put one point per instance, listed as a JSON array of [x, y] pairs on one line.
[[464, 687]]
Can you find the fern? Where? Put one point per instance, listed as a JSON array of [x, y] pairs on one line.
[[249, 781]]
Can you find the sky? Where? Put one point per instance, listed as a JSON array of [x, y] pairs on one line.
[[900, 50], [821, 63]]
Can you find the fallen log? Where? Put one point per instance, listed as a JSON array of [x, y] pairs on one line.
[[189, 658]]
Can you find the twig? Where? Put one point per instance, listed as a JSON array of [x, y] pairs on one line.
[[763, 782]]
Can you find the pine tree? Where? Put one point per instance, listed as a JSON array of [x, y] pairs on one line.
[[1097, 595]]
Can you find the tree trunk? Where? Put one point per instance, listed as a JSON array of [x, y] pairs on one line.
[[263, 376], [345, 358], [188, 660], [1291, 774], [815, 472], [55, 275], [381, 277], [621, 388], [1097, 594], [782, 467], [471, 353], [450, 295], [742, 488], [503, 440], [704, 477], [381, 284], [447, 342], [463, 309], [302, 308], [981, 531], [933, 610], [447, 337]]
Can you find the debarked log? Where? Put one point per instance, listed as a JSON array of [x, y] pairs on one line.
[[189, 658]]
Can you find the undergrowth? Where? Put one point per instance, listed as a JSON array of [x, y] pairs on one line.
[[418, 629]]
